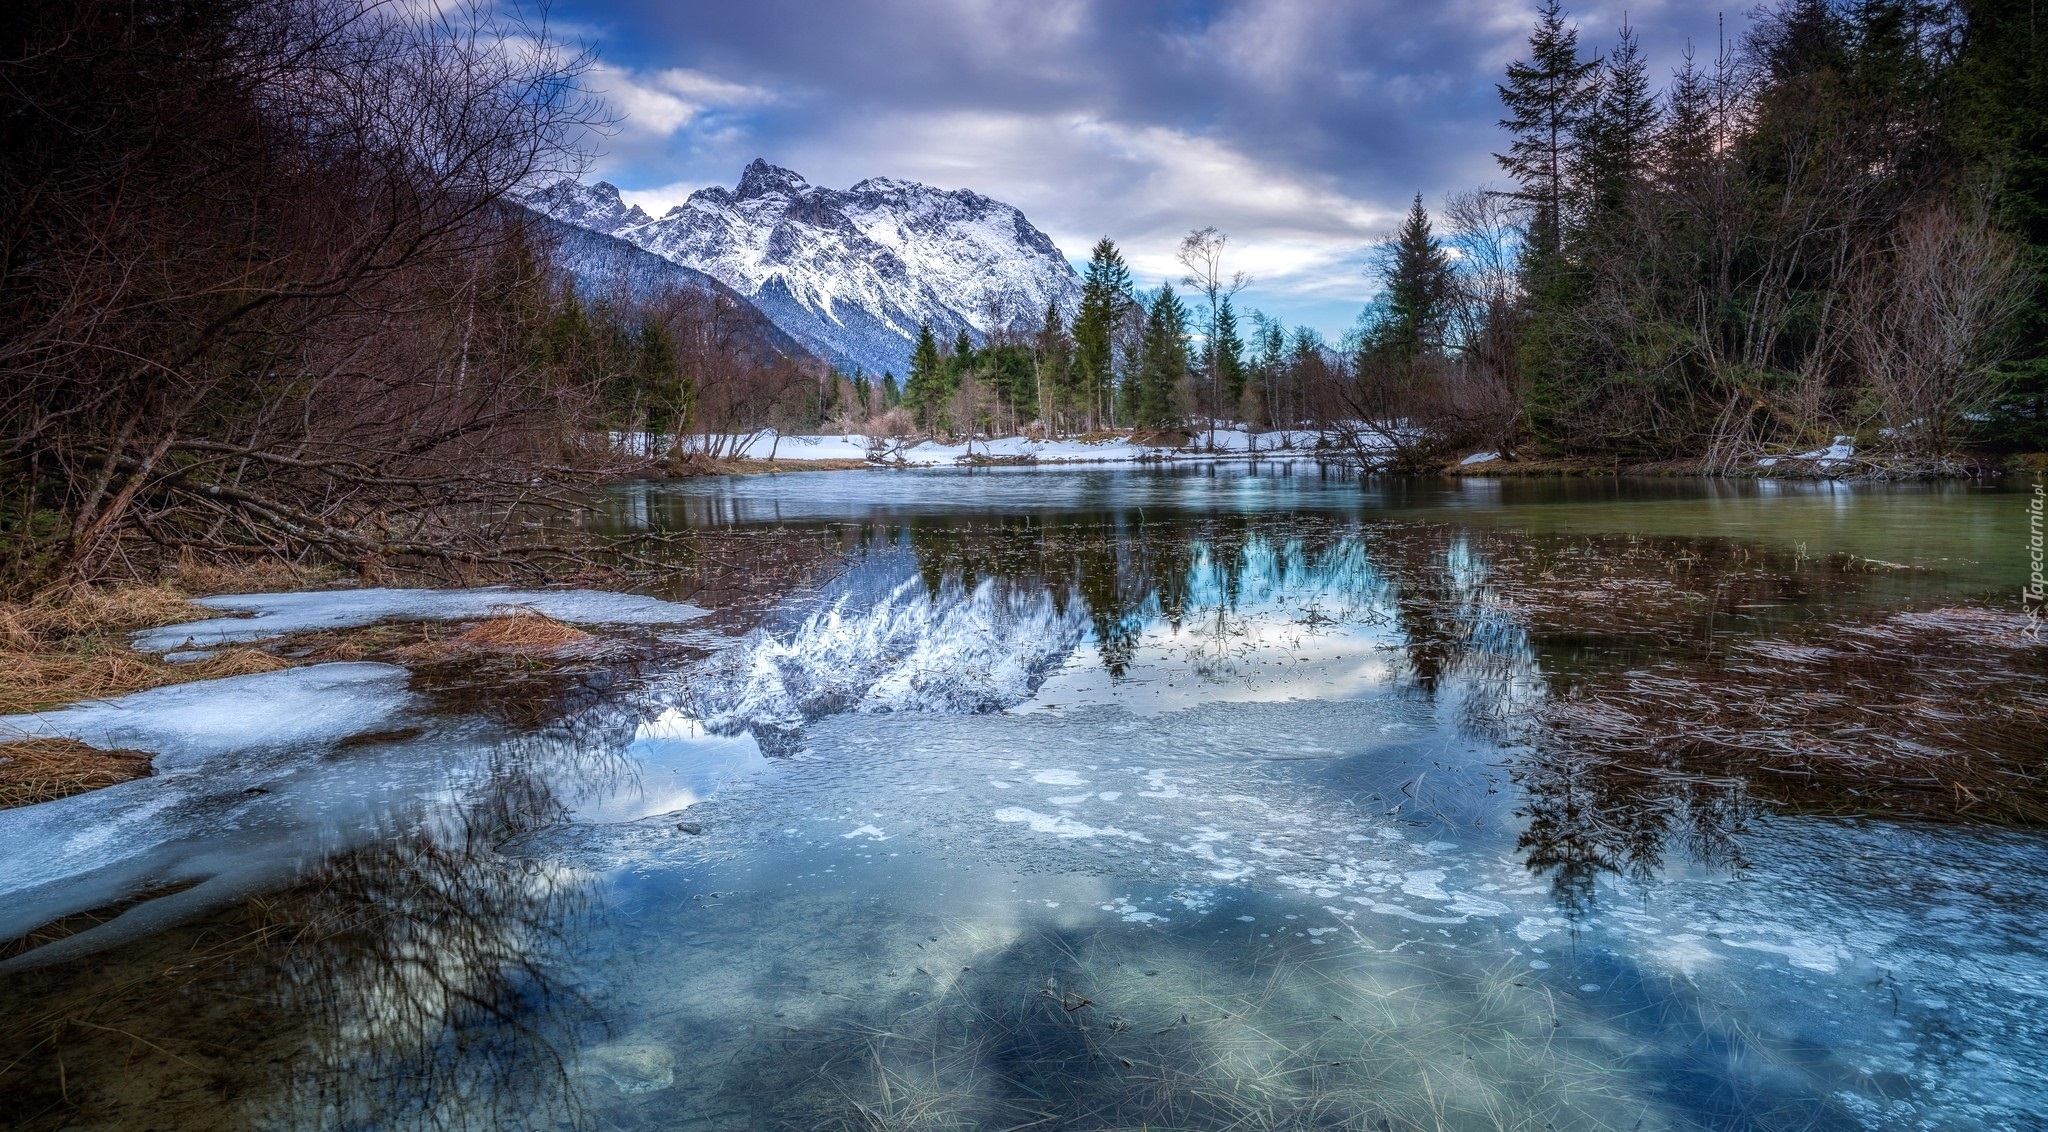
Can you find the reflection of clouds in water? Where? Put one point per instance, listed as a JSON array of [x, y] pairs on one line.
[[676, 762]]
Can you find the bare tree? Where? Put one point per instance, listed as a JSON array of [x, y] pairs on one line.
[[1201, 252], [1925, 322], [258, 292]]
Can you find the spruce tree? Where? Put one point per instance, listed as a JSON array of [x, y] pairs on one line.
[[1547, 98], [1054, 354], [1417, 277], [1226, 349], [925, 389], [1163, 363], [1619, 132], [1105, 296]]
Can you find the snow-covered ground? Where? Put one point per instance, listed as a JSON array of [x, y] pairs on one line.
[[1834, 455], [1225, 443]]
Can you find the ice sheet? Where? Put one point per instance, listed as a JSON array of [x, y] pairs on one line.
[[273, 615]]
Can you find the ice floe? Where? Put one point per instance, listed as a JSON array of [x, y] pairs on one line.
[[271, 615]]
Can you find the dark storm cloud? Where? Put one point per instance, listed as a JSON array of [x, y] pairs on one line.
[[1300, 126]]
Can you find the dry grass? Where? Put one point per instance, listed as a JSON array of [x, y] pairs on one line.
[[1928, 714], [70, 643], [521, 629], [512, 631], [43, 770]]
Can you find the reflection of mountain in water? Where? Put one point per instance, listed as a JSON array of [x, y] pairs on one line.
[[975, 617]]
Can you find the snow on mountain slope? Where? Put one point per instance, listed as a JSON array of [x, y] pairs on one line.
[[605, 267], [848, 273]]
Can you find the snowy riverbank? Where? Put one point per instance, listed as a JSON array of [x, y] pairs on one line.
[[1224, 443]]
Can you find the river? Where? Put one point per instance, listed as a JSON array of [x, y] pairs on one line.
[[1216, 797]]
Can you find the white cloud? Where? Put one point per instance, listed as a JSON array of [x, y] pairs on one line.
[[665, 101]]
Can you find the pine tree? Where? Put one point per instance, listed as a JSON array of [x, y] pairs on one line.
[[1163, 364], [658, 378], [1105, 296], [891, 395], [1547, 100], [1417, 276], [1054, 354], [1685, 143]]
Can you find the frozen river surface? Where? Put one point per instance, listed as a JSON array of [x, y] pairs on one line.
[[1213, 799]]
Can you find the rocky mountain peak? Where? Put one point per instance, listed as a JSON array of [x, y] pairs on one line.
[[852, 273], [598, 206], [762, 179]]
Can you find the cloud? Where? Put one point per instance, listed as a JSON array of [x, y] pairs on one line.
[[665, 101]]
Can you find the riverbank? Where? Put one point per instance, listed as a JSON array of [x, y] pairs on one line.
[[102, 644], [769, 452]]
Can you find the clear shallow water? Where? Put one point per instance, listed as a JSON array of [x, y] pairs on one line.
[[1120, 800]]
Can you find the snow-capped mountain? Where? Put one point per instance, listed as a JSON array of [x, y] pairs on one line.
[[850, 273], [605, 267]]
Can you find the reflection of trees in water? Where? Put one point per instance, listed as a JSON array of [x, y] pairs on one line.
[[1493, 625], [410, 982], [426, 968]]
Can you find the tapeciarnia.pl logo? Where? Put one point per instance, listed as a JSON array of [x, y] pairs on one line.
[[2036, 592]]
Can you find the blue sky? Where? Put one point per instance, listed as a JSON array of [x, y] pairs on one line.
[[1301, 128]]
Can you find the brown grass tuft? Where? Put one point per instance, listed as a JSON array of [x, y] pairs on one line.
[[43, 770], [237, 662], [519, 630]]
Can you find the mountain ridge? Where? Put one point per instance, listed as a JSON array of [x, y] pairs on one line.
[[849, 273]]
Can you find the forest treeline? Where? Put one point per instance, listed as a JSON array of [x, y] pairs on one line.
[[266, 289], [1837, 225]]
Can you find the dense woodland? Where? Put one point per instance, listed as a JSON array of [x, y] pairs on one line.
[[265, 289]]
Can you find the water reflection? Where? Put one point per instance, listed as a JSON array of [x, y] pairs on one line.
[[1182, 801]]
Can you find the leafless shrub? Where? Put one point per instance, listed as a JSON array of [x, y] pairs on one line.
[[1925, 318], [258, 295]]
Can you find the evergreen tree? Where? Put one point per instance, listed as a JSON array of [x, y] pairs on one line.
[[2001, 89], [658, 378], [1414, 314], [891, 395], [1105, 296], [1547, 98], [925, 390], [1619, 131], [1226, 350], [1164, 361], [962, 360], [1685, 144], [1053, 351]]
